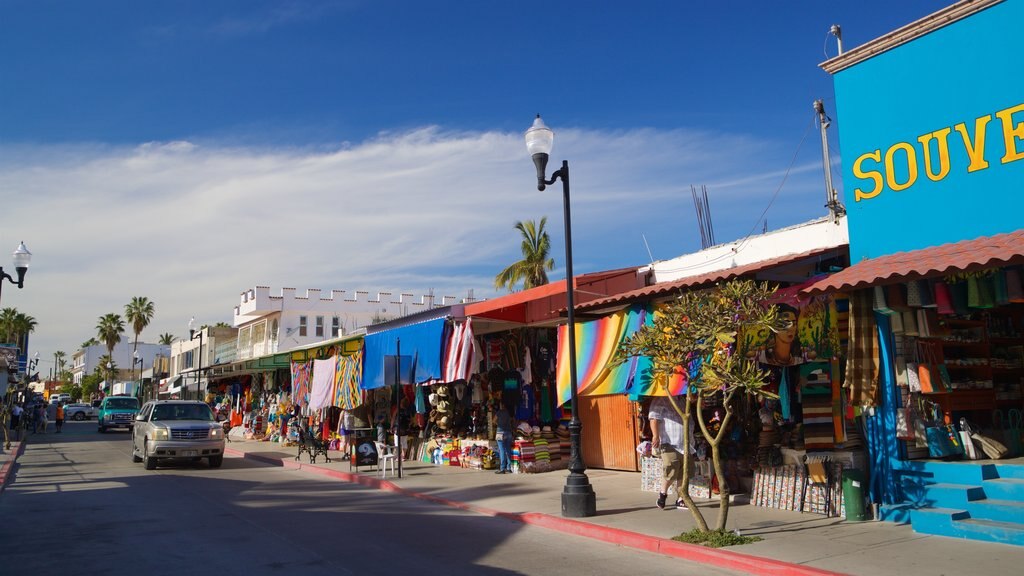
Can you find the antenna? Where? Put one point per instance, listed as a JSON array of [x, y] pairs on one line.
[[835, 207], [649, 255], [703, 209]]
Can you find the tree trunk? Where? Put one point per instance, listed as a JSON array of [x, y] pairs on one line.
[[698, 517]]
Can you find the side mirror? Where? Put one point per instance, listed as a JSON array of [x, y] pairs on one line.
[[140, 418]]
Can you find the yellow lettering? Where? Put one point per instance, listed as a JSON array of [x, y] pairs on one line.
[[890, 172], [975, 148], [872, 175], [1012, 134], [941, 138]]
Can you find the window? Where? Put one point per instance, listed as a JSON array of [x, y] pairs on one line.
[[319, 326], [335, 327], [302, 325]]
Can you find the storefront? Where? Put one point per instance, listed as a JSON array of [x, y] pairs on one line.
[[931, 123]]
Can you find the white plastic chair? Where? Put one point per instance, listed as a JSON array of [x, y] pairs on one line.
[[385, 454]]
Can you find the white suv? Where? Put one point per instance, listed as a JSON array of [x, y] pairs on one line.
[[170, 429]]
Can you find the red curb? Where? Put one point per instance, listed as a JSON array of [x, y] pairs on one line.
[[692, 552], [7, 467]]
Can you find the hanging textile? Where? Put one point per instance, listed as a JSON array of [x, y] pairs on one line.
[[321, 391], [460, 357], [300, 383], [596, 345], [784, 401], [862, 360], [346, 384]]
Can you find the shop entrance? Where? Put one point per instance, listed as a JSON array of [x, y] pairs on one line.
[[610, 433]]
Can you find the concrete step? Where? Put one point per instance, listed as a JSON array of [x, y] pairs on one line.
[[1009, 471], [936, 520], [942, 495], [1011, 511], [896, 513], [989, 531], [1004, 488]]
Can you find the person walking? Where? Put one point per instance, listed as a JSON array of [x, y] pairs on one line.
[[667, 440], [58, 419], [503, 436], [41, 420], [16, 413]]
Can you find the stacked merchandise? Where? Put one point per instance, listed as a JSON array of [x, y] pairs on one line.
[[650, 473], [562, 433], [792, 488], [816, 392]]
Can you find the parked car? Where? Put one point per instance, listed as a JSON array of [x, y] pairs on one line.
[[79, 411], [172, 429], [117, 412]]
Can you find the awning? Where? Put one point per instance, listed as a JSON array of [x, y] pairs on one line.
[[421, 343], [964, 256], [663, 289], [170, 385]]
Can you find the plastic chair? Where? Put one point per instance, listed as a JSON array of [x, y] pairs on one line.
[[385, 454]]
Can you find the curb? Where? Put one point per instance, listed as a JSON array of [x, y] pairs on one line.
[[692, 552], [7, 467]]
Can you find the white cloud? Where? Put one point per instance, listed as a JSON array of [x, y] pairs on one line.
[[190, 225]]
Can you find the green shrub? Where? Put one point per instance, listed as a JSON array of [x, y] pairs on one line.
[[715, 538]]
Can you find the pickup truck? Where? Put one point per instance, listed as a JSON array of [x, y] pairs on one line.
[[79, 412]]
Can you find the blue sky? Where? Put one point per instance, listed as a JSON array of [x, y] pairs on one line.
[[188, 150]]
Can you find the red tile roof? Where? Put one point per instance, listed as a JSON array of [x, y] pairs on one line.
[[664, 288], [963, 256]]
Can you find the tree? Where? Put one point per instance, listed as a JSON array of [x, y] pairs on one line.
[[7, 319], [532, 269], [697, 334], [138, 312], [89, 342], [91, 384], [109, 330], [58, 363], [166, 339]]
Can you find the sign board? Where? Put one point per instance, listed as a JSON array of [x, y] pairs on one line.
[[932, 136], [366, 452]]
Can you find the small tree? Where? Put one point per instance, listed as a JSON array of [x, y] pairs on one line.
[[697, 334]]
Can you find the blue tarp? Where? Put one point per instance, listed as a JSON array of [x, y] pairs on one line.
[[422, 343]]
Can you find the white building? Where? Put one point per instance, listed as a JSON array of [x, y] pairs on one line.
[[85, 361], [268, 323]]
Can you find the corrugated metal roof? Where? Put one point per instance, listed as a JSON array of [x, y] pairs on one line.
[[963, 256], [664, 288]]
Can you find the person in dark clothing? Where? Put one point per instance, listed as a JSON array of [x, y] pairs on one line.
[[503, 436]]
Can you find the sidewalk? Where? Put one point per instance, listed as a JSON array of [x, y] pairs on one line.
[[794, 543], [7, 459]]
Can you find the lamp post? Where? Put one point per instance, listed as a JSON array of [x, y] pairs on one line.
[[578, 498], [21, 259], [110, 377], [137, 360], [192, 334]]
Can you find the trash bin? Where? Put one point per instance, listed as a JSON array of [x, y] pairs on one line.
[[853, 495]]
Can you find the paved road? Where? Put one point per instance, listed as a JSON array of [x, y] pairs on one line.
[[79, 504]]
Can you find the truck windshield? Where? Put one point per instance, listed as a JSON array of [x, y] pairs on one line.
[[123, 403]]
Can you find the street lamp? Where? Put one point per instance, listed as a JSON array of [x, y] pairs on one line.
[[137, 360], [578, 498], [21, 259], [192, 334], [110, 377]]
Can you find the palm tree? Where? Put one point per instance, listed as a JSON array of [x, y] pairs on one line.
[[23, 326], [532, 269], [109, 330], [89, 342], [138, 312], [7, 317], [58, 361], [166, 339]]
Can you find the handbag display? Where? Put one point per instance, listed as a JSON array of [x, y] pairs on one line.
[[944, 441], [932, 370], [905, 420], [879, 301]]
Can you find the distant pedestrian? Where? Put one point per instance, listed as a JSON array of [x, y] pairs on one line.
[[58, 421], [40, 421], [16, 413]]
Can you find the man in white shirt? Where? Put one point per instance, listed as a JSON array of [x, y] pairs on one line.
[[667, 440]]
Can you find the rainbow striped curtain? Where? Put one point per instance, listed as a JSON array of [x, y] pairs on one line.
[[301, 376], [596, 344]]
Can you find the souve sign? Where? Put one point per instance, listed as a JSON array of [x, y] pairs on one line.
[[901, 165]]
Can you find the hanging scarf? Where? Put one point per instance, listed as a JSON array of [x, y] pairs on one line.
[[784, 401]]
